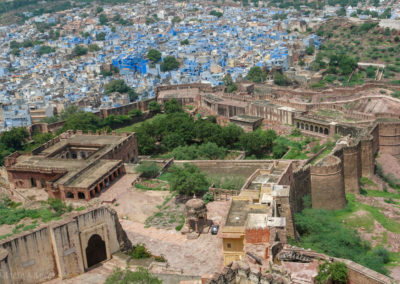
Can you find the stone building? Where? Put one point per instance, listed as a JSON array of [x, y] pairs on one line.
[[73, 165], [62, 249], [259, 215]]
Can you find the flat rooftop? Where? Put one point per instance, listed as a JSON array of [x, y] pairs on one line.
[[79, 173], [246, 118], [239, 211], [312, 119]]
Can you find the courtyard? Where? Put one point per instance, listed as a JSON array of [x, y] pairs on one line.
[[186, 259]]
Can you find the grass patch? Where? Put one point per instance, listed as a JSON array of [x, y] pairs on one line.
[[367, 182], [11, 212], [232, 182], [323, 231], [353, 206], [377, 193]]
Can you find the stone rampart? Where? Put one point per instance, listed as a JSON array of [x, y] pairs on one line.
[[327, 184], [352, 168], [389, 138], [61, 249]]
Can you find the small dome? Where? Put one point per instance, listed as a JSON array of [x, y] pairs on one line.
[[195, 203]]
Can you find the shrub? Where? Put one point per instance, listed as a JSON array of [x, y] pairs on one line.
[[140, 252], [141, 275], [135, 112], [148, 169], [188, 180], [208, 197], [334, 271], [160, 258]]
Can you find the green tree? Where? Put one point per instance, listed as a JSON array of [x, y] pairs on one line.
[[99, 10], [118, 86], [280, 79], [79, 50], [211, 151], [135, 112], [14, 139], [230, 85], [140, 276], [176, 20], [172, 106], [231, 135], [45, 49], [41, 138], [184, 42], [278, 150], [133, 96], [258, 142], [154, 107], [94, 47], [188, 180], [215, 13], [14, 44], [256, 75], [15, 51], [82, 121], [154, 55], [148, 169], [103, 19], [310, 50], [169, 63], [101, 36]]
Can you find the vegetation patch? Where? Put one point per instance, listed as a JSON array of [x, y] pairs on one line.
[[141, 275]]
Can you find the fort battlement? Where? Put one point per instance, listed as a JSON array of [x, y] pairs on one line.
[[327, 184]]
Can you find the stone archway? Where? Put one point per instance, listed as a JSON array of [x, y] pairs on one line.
[[95, 250]]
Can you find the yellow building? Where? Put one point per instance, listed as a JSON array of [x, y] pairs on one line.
[[234, 230]]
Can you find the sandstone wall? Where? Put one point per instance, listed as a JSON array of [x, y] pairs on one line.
[[58, 249], [243, 168], [367, 157], [327, 184], [300, 186], [389, 138], [352, 168]]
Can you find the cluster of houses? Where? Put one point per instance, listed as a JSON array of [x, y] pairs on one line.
[[209, 42]]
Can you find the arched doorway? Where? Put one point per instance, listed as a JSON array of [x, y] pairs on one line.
[[95, 251]]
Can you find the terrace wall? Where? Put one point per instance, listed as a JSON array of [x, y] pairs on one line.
[[58, 249]]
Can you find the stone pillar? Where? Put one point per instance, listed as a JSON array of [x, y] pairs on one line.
[[332, 129], [38, 183], [62, 193]]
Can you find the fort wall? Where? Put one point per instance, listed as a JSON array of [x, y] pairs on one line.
[[60, 249], [352, 168], [389, 138], [327, 184], [242, 272]]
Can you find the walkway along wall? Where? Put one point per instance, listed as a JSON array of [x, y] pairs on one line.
[[62, 249]]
